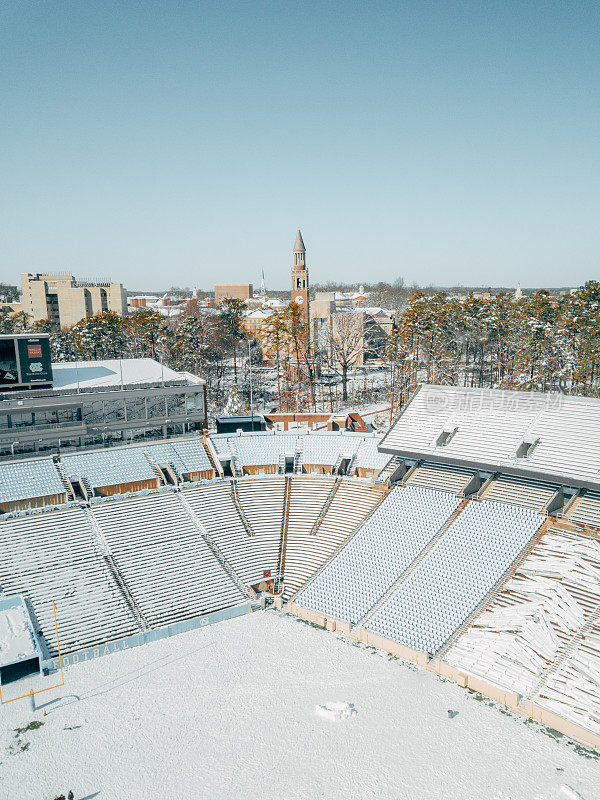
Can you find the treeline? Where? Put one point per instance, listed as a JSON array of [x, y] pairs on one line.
[[537, 343], [195, 341]]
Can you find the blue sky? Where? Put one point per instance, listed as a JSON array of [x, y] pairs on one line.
[[183, 143]]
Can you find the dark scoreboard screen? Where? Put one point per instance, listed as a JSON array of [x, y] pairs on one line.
[[24, 360]]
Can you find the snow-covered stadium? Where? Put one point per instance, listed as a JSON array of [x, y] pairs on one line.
[[465, 541]]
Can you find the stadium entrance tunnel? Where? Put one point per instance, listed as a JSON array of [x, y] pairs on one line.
[[20, 669]]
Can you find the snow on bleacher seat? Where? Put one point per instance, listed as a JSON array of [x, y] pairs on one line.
[[257, 449], [220, 442], [586, 510], [378, 553], [323, 449], [188, 455], [369, 458], [444, 480], [262, 503], [52, 557], [21, 480], [573, 691], [351, 503], [169, 569], [540, 608], [110, 467], [249, 556], [455, 576], [520, 493], [305, 553]]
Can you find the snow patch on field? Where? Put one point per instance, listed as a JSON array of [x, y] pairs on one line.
[[335, 711]]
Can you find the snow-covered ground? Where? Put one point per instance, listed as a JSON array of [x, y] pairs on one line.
[[230, 711]]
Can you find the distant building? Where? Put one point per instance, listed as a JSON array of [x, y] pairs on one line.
[[236, 291], [255, 321], [64, 301]]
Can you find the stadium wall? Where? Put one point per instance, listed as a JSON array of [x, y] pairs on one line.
[[33, 502], [123, 488], [509, 699], [260, 469], [135, 640]]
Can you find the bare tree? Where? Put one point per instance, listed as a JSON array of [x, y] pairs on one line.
[[343, 341]]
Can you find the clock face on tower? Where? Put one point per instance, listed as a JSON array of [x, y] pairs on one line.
[[299, 299]]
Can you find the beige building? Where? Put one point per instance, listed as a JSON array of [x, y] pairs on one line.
[[237, 291], [357, 329], [64, 301]]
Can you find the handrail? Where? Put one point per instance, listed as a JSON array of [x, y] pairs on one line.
[[239, 508]]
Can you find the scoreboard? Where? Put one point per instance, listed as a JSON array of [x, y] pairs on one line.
[[25, 361]]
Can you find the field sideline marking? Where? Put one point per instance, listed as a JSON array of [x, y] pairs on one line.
[[47, 689]]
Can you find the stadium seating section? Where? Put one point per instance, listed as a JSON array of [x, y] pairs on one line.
[[488, 582], [21, 480]]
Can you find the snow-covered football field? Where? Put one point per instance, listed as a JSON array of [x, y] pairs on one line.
[[229, 711]]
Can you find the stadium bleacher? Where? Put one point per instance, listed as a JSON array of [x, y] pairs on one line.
[[442, 479], [447, 585], [250, 556], [186, 455], [325, 449], [369, 457], [413, 564], [168, 568], [306, 551], [519, 493], [378, 553], [586, 510], [529, 639], [119, 465], [54, 558], [22, 480]]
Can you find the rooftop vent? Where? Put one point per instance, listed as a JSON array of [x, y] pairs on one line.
[[526, 448], [446, 435]]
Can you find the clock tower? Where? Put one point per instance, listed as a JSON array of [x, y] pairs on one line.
[[300, 278]]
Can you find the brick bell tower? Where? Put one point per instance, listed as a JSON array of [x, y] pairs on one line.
[[300, 278]]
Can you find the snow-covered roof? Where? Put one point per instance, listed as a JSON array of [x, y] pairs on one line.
[[17, 639], [259, 313], [112, 372], [553, 436]]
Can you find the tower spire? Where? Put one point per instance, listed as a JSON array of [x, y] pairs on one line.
[[299, 244], [300, 294]]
